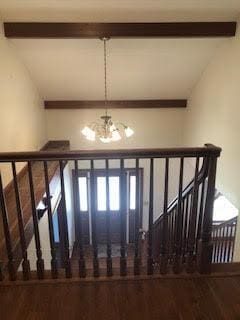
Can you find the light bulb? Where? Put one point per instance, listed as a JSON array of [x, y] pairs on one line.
[[105, 140], [116, 135], [128, 132]]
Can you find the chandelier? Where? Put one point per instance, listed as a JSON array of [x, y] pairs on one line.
[[106, 130]]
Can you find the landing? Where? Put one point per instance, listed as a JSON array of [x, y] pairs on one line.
[[199, 298]]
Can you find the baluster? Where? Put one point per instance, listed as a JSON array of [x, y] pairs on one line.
[[214, 235], [6, 230], [137, 213], [225, 243], [108, 223], [218, 243], [40, 262], [150, 220], [164, 235], [94, 229], [205, 248], [123, 210], [192, 221], [233, 241], [185, 235], [1, 272], [54, 269], [63, 212], [179, 222], [201, 210], [25, 262], [82, 266], [229, 243]]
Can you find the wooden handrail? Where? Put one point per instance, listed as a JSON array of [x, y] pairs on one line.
[[208, 150], [225, 223]]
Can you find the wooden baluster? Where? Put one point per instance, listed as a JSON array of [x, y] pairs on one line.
[[108, 224], [137, 214], [192, 221], [219, 231], [214, 245], [150, 220], [205, 245], [123, 210], [201, 210], [229, 245], [82, 265], [225, 244], [25, 262], [54, 269], [40, 262], [63, 212], [1, 272], [185, 236], [233, 241], [179, 222], [164, 235], [7, 235], [94, 226]]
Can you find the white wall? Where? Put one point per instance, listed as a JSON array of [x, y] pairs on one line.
[[213, 115], [154, 128], [22, 114]]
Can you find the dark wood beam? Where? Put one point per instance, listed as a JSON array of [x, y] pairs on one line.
[[118, 30], [115, 104]]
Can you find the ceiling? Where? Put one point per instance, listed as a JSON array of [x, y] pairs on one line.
[[137, 68], [119, 10], [72, 69]]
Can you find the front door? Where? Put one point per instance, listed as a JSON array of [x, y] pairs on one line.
[[99, 202]]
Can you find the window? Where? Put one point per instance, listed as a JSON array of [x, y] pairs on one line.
[[223, 209], [83, 193], [132, 192], [113, 193]]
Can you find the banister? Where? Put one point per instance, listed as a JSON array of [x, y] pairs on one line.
[[224, 223], [208, 150]]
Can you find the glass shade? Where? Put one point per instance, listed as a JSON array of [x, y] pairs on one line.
[[128, 132], [116, 135], [89, 133]]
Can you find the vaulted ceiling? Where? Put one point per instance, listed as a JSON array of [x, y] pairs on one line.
[[72, 69]]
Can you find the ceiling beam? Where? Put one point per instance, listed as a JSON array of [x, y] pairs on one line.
[[115, 104], [118, 30]]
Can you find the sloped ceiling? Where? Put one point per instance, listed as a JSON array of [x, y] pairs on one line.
[[137, 68]]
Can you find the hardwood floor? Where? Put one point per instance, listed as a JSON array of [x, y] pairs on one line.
[[197, 298]]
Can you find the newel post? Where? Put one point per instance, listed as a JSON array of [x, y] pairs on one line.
[[205, 246]]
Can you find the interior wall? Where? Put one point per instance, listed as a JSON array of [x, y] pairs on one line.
[[154, 128], [213, 115], [21, 109]]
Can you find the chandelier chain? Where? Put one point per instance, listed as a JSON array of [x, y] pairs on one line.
[[105, 73]]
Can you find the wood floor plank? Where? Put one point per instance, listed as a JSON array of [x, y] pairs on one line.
[[174, 299]]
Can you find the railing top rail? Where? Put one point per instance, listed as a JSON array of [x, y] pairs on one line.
[[208, 150], [225, 223]]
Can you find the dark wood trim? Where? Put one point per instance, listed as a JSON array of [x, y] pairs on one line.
[[119, 30], [50, 145], [208, 150], [116, 104]]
